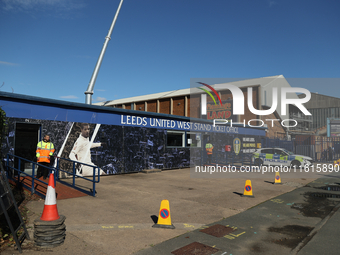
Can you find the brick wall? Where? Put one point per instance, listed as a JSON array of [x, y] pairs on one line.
[[164, 106], [140, 106], [179, 106], [152, 106], [194, 106]]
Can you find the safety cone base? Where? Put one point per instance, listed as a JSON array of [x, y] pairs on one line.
[[247, 196], [60, 221], [163, 226], [278, 183]]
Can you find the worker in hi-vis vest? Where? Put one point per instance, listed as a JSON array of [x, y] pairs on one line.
[[209, 149], [45, 150]]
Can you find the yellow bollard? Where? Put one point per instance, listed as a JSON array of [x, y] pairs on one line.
[[164, 219], [277, 178], [248, 190]]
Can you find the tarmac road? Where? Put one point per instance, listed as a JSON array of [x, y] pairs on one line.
[[118, 220]]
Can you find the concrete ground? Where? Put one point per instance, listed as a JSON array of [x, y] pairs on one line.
[[303, 221], [118, 220]]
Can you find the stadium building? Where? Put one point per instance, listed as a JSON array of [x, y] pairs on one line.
[[126, 140], [187, 102]]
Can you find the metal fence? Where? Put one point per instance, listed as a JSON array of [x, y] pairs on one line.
[[321, 149], [278, 143]]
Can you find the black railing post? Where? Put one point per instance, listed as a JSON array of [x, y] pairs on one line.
[[94, 183], [33, 177], [74, 174], [19, 169]]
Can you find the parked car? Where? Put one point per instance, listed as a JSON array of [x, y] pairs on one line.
[[279, 156]]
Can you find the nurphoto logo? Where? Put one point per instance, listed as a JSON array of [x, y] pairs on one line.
[[238, 103]]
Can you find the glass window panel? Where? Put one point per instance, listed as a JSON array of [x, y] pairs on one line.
[[174, 139]]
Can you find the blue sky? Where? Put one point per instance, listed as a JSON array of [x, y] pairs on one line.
[[49, 48]]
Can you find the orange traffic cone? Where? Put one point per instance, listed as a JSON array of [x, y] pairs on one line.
[[50, 211]]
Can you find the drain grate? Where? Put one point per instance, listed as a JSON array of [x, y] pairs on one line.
[[325, 195], [331, 188], [217, 230], [195, 248]]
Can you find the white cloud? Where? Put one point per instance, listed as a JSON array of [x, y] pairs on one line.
[[271, 3], [7, 63], [24, 5], [101, 99], [69, 97]]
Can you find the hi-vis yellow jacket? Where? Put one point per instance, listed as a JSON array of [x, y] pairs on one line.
[[209, 148], [44, 150]]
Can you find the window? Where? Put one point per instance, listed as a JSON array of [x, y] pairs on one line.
[[193, 139], [279, 152], [175, 139], [267, 151]]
